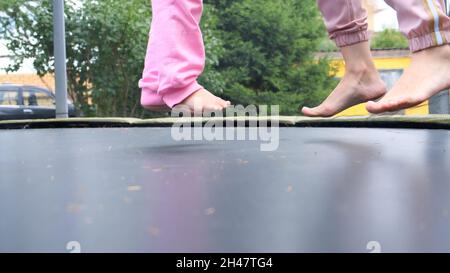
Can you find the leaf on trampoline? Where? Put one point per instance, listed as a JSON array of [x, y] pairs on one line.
[[210, 211], [127, 200], [290, 189], [243, 162], [74, 208], [88, 220], [423, 226], [153, 231], [134, 188]]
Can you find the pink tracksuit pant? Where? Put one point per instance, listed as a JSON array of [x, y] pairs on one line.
[[176, 55], [423, 22]]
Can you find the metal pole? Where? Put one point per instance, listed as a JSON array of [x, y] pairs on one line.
[[440, 103], [59, 43]]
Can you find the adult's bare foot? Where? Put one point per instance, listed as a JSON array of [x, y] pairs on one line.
[[428, 74], [360, 83]]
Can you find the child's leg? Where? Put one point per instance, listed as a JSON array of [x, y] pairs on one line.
[[428, 29], [176, 58], [346, 22]]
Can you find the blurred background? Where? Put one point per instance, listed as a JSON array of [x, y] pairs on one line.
[[258, 52]]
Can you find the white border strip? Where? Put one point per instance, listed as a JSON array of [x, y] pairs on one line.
[[439, 39]]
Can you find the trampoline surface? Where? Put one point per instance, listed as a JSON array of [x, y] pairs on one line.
[[138, 190]]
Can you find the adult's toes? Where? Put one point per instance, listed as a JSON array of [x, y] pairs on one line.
[[310, 112], [392, 105], [408, 102], [373, 107]]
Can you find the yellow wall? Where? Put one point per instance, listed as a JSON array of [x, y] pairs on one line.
[[47, 81], [381, 64]]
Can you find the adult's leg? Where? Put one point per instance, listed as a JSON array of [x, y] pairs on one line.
[[176, 58], [346, 21], [427, 27]]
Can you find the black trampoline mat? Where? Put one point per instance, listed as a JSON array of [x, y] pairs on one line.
[[137, 190]]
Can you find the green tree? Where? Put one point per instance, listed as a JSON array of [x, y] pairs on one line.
[[389, 38], [106, 43]]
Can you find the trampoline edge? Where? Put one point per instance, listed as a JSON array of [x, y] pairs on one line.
[[412, 122]]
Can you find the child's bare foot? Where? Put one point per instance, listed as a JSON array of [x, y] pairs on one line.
[[428, 74], [204, 101], [361, 83]]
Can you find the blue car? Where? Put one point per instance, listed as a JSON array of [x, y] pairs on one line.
[[28, 102]]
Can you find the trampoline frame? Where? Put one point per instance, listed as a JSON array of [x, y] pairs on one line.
[[406, 122]]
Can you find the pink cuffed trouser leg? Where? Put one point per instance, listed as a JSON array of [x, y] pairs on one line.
[[346, 21], [175, 55], [423, 22]]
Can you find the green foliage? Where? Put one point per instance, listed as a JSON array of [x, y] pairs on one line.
[[389, 38], [106, 42], [118, 35], [258, 52], [327, 45]]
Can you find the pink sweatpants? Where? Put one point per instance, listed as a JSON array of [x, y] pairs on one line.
[[176, 55], [423, 22]]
